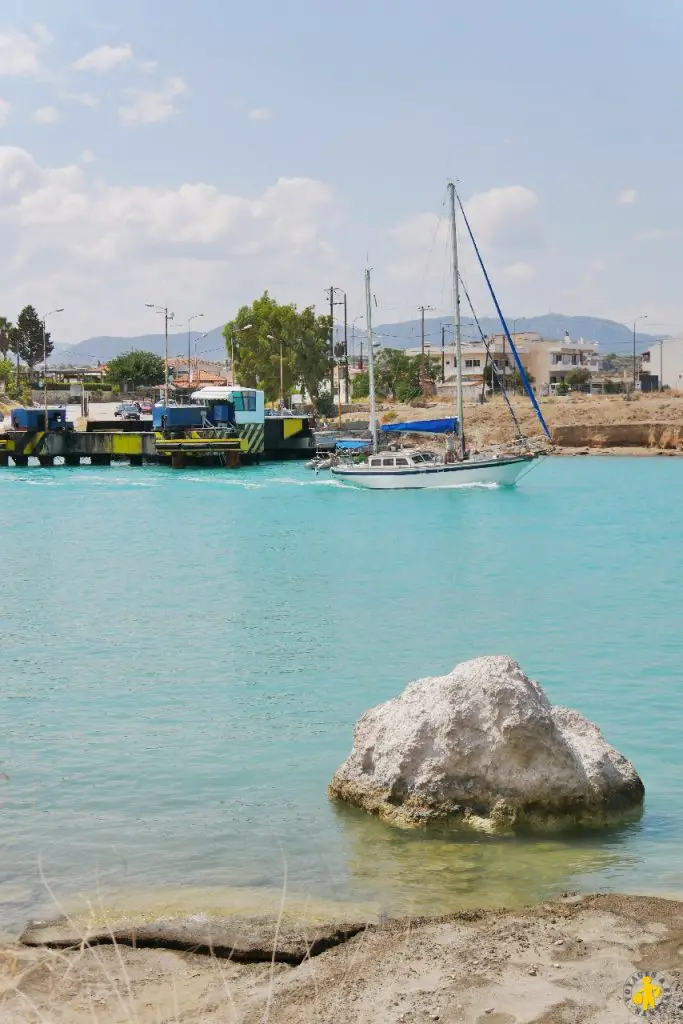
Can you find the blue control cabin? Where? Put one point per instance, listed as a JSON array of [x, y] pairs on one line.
[[34, 419]]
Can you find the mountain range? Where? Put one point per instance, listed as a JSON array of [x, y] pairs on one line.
[[610, 336]]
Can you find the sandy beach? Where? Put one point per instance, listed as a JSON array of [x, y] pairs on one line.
[[562, 962]]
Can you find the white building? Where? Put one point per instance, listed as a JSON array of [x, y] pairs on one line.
[[664, 360]]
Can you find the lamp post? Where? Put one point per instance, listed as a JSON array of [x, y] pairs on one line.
[[52, 311], [167, 316], [194, 316], [642, 317]]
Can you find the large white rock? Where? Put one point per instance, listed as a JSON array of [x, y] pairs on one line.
[[484, 746]]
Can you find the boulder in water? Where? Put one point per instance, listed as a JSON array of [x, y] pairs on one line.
[[484, 747]]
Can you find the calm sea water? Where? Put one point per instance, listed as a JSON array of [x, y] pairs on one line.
[[184, 656]]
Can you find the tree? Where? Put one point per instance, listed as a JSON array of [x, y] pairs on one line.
[[6, 371], [361, 385], [578, 378], [27, 339], [5, 336], [267, 335], [136, 369]]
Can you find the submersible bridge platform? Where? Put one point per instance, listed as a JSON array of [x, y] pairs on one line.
[[180, 436]]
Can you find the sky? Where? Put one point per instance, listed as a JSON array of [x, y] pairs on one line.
[[195, 154]]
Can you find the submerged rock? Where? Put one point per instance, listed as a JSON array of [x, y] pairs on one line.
[[484, 746], [244, 939]]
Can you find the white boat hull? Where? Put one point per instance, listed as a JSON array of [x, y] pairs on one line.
[[485, 473]]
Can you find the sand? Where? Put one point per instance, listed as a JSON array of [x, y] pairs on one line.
[[564, 962]]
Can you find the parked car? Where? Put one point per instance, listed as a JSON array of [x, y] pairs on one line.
[[145, 408], [127, 411]]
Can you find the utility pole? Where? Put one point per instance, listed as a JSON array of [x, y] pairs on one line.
[[346, 352], [167, 316], [443, 354], [330, 291], [189, 344], [642, 317], [423, 378], [60, 310]]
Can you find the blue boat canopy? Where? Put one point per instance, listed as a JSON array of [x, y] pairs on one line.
[[446, 426], [352, 445]]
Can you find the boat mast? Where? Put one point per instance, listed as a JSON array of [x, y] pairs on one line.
[[371, 361], [456, 315]]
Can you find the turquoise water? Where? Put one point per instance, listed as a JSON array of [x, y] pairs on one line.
[[184, 656]]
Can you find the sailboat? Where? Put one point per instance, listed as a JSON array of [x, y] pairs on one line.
[[410, 469]]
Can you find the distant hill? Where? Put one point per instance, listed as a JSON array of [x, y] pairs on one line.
[[102, 349], [610, 336]]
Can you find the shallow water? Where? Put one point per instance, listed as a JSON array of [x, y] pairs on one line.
[[184, 656]]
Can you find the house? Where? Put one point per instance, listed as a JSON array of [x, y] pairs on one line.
[[663, 361], [552, 362]]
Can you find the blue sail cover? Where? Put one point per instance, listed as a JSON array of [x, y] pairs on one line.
[[447, 426], [352, 445]]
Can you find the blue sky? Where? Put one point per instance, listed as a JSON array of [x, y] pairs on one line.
[[198, 153]]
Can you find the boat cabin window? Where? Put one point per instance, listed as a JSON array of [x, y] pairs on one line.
[[401, 462], [417, 458], [387, 462], [428, 456], [244, 401], [375, 462]]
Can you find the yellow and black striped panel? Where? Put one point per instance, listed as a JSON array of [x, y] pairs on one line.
[[25, 442], [252, 437]]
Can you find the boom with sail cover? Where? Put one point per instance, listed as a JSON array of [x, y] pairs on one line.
[[442, 426]]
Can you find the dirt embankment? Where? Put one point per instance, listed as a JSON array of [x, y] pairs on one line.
[[565, 962], [595, 421]]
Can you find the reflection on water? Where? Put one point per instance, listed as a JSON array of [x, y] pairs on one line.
[[438, 871]]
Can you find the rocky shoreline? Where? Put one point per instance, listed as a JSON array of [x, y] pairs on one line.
[[559, 962]]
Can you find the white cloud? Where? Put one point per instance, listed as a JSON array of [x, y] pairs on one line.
[[45, 115], [5, 108], [654, 235], [20, 53], [504, 217], [152, 107], [104, 58], [101, 250], [85, 99], [259, 114], [519, 271], [87, 156], [148, 66], [627, 196], [417, 269]]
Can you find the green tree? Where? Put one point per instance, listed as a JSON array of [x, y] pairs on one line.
[[392, 368], [578, 378], [136, 369], [6, 371], [266, 335], [361, 385], [27, 339], [5, 336]]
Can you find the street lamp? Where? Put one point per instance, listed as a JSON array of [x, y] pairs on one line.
[[52, 311], [194, 316], [167, 316], [642, 317]]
